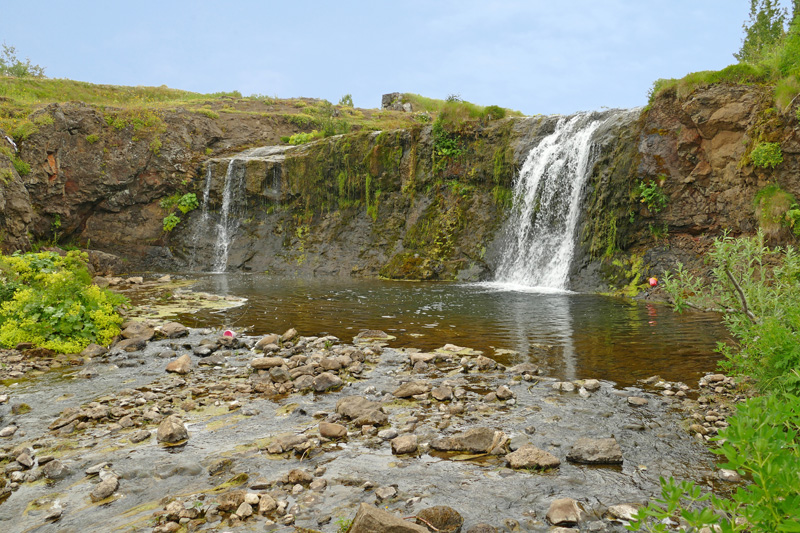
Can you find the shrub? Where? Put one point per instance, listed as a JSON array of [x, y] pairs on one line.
[[346, 100], [652, 195], [93, 138], [49, 300], [302, 138], [494, 112], [774, 210], [766, 155], [759, 290], [169, 222], [188, 202], [760, 442], [22, 167]]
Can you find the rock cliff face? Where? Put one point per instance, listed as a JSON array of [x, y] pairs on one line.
[[388, 204]]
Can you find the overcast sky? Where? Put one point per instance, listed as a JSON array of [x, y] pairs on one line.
[[535, 56]]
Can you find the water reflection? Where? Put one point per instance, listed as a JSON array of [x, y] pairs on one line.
[[574, 335]]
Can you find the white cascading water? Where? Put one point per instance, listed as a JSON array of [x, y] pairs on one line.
[[228, 223], [540, 233]]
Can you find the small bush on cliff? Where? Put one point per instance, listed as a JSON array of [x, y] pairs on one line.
[[767, 155], [48, 300], [652, 195], [11, 66]]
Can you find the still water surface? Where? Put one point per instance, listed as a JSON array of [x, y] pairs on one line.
[[573, 336]]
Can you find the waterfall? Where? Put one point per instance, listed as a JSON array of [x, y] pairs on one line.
[[539, 238], [232, 202]]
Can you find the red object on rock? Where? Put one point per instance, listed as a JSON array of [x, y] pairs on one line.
[[228, 333], [653, 281]]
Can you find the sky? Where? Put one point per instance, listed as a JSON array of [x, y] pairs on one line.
[[533, 56]]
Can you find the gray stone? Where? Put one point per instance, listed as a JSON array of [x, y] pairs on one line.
[[624, 511], [289, 335], [267, 504], [637, 401], [173, 330], [139, 436], [384, 493], [8, 431], [181, 365], [370, 519], [138, 330], [596, 451], [267, 340], [387, 434], [55, 469], [94, 350], [564, 512], [172, 430], [244, 510], [504, 393], [443, 519], [104, 489], [280, 374], [404, 444], [265, 363], [591, 385], [412, 388], [529, 456], [474, 440], [327, 381], [332, 431], [442, 393]]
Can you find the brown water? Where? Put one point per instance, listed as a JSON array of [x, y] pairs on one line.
[[574, 336]]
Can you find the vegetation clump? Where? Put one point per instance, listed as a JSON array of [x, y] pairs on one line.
[[49, 300], [758, 290], [186, 203], [766, 155], [652, 195]]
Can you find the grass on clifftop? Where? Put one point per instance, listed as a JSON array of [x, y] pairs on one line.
[[19, 97], [777, 66]]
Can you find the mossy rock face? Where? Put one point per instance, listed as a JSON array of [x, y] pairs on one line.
[[412, 267], [772, 204]]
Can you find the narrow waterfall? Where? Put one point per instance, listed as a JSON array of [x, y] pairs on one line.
[[539, 239], [232, 201], [257, 172]]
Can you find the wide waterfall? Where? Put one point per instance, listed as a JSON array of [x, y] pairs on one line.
[[540, 234]]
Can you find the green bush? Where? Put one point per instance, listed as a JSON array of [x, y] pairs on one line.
[[93, 138], [494, 112], [766, 155], [22, 167], [652, 195], [170, 221], [346, 100], [302, 138], [758, 289], [761, 443], [49, 300], [188, 202]]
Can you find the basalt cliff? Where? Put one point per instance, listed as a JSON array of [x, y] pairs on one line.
[[391, 203]]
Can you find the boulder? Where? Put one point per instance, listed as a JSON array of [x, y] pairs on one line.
[[173, 330], [564, 512], [138, 330], [104, 489], [412, 388], [267, 340], [362, 411], [171, 430], [474, 440], [55, 469], [327, 381], [596, 451], [289, 335], [442, 393], [529, 456], [370, 519], [404, 444], [181, 365], [443, 518], [94, 350], [265, 363], [332, 431]]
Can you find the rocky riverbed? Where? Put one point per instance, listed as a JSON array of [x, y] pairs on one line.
[[177, 429]]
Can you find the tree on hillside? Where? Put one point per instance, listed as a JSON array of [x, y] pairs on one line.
[[11, 66], [763, 30]]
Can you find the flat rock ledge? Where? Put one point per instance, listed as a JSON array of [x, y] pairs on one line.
[[596, 451]]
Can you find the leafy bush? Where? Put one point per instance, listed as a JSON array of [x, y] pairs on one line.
[[494, 112], [49, 300], [93, 138], [761, 442], [758, 288], [652, 195], [766, 155], [22, 167], [302, 138], [11, 66], [188, 202], [346, 100], [774, 210], [170, 221]]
